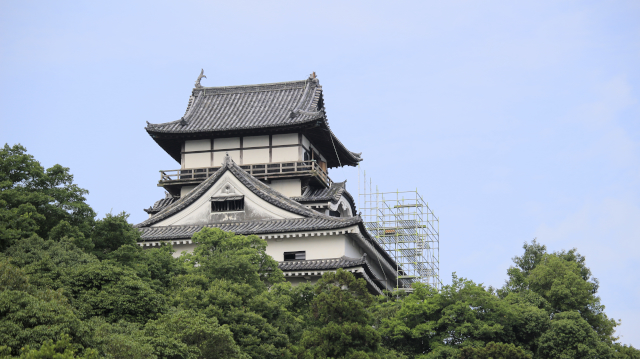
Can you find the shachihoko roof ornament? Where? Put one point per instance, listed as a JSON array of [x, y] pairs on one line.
[[200, 78]]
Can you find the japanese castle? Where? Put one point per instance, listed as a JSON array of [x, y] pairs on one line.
[[254, 159]]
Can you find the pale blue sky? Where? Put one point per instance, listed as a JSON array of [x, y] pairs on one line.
[[514, 120]]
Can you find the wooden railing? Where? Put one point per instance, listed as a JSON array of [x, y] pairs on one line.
[[261, 170]]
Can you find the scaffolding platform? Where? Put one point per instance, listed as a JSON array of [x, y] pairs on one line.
[[406, 228]]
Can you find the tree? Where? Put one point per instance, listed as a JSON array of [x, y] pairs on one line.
[[111, 233], [113, 292], [563, 283], [494, 351], [190, 334], [156, 265], [32, 318], [340, 310], [34, 200], [228, 277], [462, 314], [235, 258], [47, 261], [62, 349], [571, 336]]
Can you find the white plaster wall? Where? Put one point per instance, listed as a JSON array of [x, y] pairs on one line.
[[218, 157], [199, 212], [288, 187], [255, 156], [286, 139], [195, 160], [186, 189], [305, 141], [197, 145], [373, 260], [321, 247], [352, 249], [224, 143], [179, 248], [284, 154], [255, 141]]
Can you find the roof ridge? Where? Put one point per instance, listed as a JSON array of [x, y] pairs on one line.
[[253, 85], [238, 89]]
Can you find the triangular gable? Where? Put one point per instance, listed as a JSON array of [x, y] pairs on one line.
[[261, 201], [199, 212]]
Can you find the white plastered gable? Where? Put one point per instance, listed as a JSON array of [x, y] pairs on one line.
[[199, 212]]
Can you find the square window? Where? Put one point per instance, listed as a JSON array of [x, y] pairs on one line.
[[295, 256]]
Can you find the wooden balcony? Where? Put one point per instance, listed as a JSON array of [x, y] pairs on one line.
[[172, 180]]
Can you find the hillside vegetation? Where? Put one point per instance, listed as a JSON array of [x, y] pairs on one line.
[[73, 286]]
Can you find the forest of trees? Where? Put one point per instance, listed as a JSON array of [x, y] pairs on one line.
[[74, 286]]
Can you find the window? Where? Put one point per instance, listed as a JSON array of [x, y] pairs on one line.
[[295, 256], [227, 204]]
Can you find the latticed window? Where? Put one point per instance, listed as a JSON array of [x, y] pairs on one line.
[[227, 204]]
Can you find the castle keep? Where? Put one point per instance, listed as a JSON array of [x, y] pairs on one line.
[[255, 160]]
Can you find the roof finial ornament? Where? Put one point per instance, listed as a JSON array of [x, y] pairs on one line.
[[200, 78], [183, 122], [313, 75], [227, 160]]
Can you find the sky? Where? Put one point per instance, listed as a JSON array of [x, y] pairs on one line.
[[514, 120]]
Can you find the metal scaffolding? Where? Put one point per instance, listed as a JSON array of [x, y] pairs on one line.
[[404, 225]]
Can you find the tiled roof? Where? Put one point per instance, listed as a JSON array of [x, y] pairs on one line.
[[322, 194], [230, 110], [331, 194], [161, 204], [246, 228], [250, 106], [320, 264], [260, 189], [335, 263]]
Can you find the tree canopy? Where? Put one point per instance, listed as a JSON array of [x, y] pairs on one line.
[[76, 286]]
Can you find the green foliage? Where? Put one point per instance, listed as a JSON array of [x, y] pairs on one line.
[[72, 286], [189, 334], [32, 318], [340, 312], [156, 265], [62, 349], [111, 233], [625, 352], [570, 336], [34, 200], [563, 283], [121, 340], [461, 314], [64, 231], [47, 262], [113, 292], [494, 351], [239, 259]]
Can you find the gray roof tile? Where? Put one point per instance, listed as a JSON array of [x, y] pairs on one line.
[[246, 228], [320, 264], [322, 194], [160, 205]]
